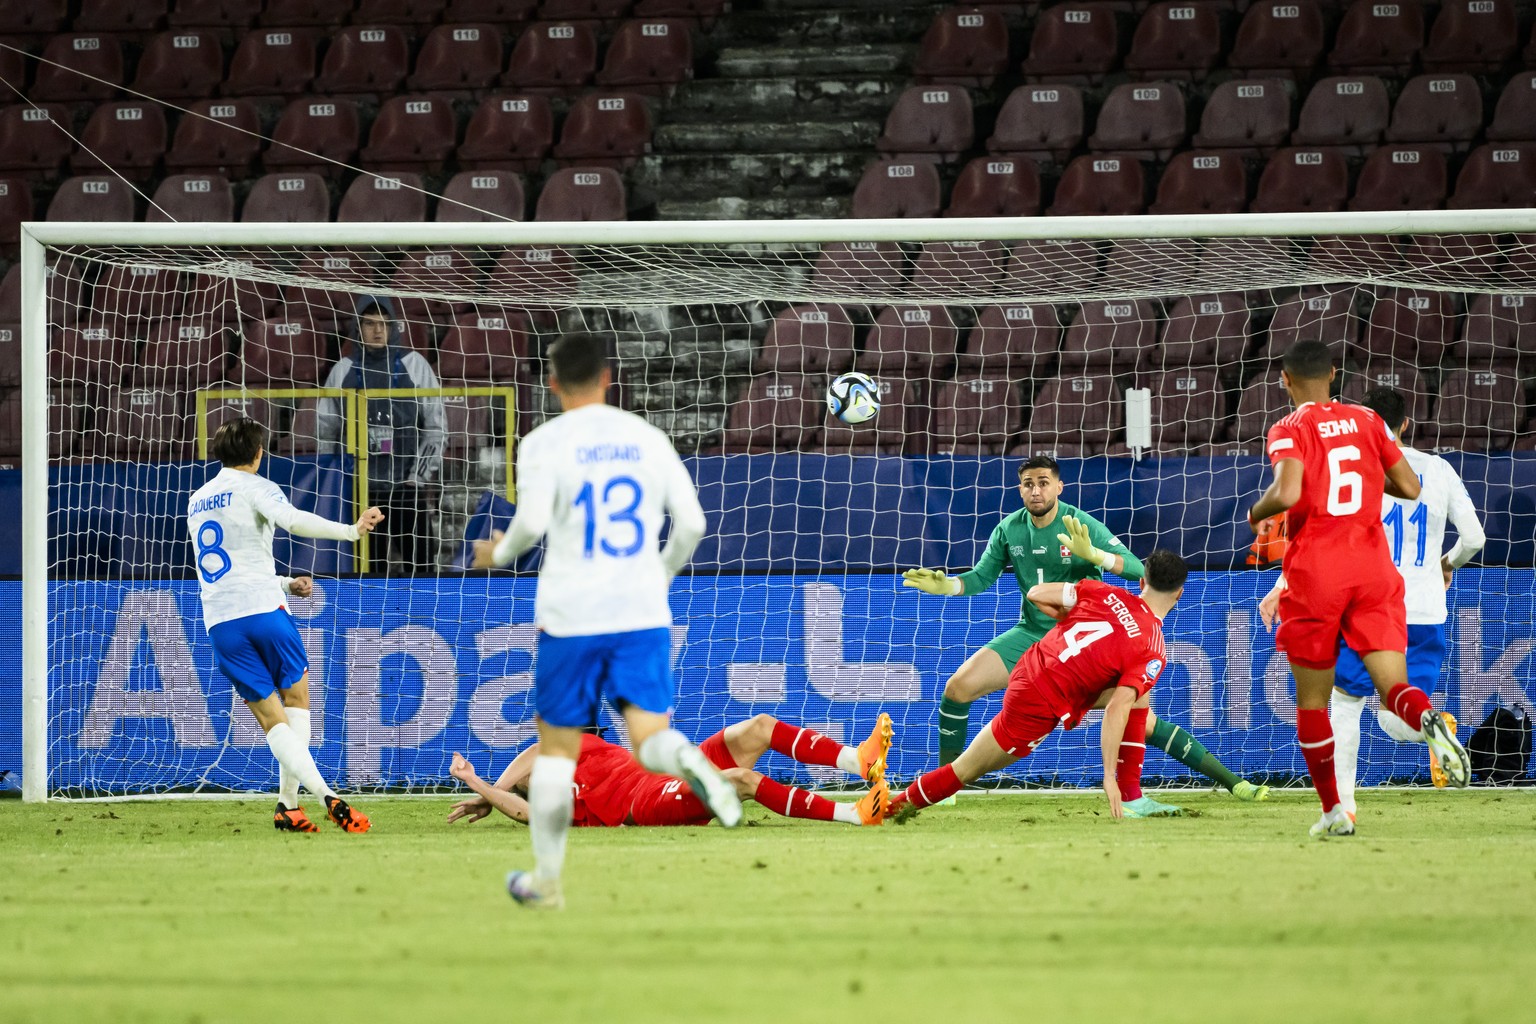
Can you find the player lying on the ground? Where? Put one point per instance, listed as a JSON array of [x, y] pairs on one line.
[[611, 789], [255, 643], [1416, 534], [1332, 462], [1034, 542], [1106, 639]]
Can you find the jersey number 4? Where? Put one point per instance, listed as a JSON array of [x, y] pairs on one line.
[[620, 498], [1081, 635]]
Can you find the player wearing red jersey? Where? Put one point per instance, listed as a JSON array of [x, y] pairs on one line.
[[1106, 650], [1332, 462], [611, 789]]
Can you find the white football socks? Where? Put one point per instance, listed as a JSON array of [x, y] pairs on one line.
[[550, 803], [846, 813], [661, 751], [294, 757], [1344, 716], [288, 782]]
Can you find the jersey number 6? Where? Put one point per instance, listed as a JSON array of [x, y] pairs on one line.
[[1341, 483], [624, 517]]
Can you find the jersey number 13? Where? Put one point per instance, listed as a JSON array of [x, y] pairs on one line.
[[612, 514]]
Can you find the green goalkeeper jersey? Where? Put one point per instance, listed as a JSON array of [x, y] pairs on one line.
[[1038, 557]]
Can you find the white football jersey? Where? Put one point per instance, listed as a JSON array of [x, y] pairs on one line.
[[596, 483], [1416, 533], [232, 518]]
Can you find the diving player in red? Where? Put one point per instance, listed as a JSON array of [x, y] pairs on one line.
[[612, 789], [1106, 651], [1332, 462]]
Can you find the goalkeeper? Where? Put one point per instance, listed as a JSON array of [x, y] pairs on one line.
[[1047, 541]]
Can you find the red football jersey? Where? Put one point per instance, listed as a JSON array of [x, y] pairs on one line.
[[606, 778], [1345, 451]]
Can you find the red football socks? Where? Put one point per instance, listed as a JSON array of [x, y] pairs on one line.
[[1315, 734], [1133, 750], [804, 745], [792, 802], [939, 784], [1408, 703]]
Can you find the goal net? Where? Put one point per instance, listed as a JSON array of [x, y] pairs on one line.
[[1139, 352]]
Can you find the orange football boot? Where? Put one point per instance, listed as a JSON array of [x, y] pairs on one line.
[[345, 817], [874, 749], [293, 819]]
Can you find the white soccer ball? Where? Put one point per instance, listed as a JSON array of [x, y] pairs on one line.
[[853, 398]]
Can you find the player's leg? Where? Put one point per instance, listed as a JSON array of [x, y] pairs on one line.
[[985, 754], [1426, 660], [1133, 751], [1184, 748], [289, 816], [1310, 613], [1351, 685], [749, 739], [984, 672], [793, 802]]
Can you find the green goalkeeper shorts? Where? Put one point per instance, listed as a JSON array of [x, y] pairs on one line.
[[1012, 645]]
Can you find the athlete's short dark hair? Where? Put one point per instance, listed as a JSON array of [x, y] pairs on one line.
[[1388, 404], [1041, 462], [576, 360], [1308, 360], [236, 442], [1166, 571]]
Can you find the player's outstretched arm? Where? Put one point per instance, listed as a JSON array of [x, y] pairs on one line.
[[510, 804], [1283, 492], [1091, 541], [277, 509], [1402, 481], [1055, 599], [1116, 713], [933, 581]]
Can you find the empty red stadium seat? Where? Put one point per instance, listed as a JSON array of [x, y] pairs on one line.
[[1401, 178], [1211, 329], [482, 196], [491, 12], [1498, 327], [91, 352], [181, 354], [897, 188], [1073, 43], [391, 198], [417, 14], [1345, 112], [910, 341], [221, 410], [1014, 340], [1378, 38], [411, 133], [1249, 117], [1316, 313], [282, 350], [1202, 182], [188, 63], [216, 137], [449, 272], [364, 59], [224, 14], [1109, 333], [1261, 405], [704, 12], [1281, 39], [553, 56], [1411, 325], [15, 69], [992, 187], [1042, 122], [1134, 264], [814, 337], [458, 58], [1141, 120], [271, 62], [128, 297], [604, 10], [861, 269], [1100, 185], [511, 132], [33, 17], [888, 433], [776, 411], [35, 138], [534, 270], [966, 46], [648, 56], [306, 12], [15, 206], [1040, 267], [1476, 36], [928, 123], [1443, 109], [128, 137], [485, 344], [143, 424], [314, 134], [1189, 408], [583, 193], [139, 17], [1402, 377], [1175, 39], [324, 303], [1077, 409], [975, 416], [1496, 176], [605, 129], [289, 198], [92, 198], [1514, 119], [958, 269], [10, 363], [192, 198], [1297, 180], [78, 67], [1479, 409]]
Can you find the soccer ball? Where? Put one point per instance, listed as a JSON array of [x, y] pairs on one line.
[[853, 398]]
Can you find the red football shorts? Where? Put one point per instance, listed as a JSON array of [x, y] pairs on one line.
[[1318, 606], [1026, 719], [666, 801]]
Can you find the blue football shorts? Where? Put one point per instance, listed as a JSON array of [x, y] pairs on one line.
[[1426, 657], [260, 653], [572, 675]]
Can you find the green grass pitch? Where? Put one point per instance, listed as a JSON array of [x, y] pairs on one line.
[[1021, 908]]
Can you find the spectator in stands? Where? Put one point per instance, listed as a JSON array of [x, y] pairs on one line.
[[405, 434]]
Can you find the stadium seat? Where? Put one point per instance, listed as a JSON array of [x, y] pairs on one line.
[[221, 14], [418, 15], [508, 132], [1074, 43], [860, 269], [1015, 340], [1302, 180], [186, 64], [1076, 409], [274, 62], [1279, 40], [704, 13], [411, 133], [1202, 182], [221, 410], [15, 206], [583, 193], [94, 199], [929, 123], [964, 46], [1474, 36], [1498, 327], [1444, 109], [1262, 403], [369, 59], [485, 344], [283, 351], [1496, 176], [482, 196], [1354, 256], [777, 411], [490, 12], [138, 18], [180, 354], [89, 352], [10, 363], [68, 294], [889, 433], [458, 58], [1479, 409], [78, 67], [35, 139], [816, 337], [1378, 38], [1316, 313], [975, 416], [216, 137], [1040, 122], [1401, 178], [385, 198], [142, 424], [1514, 119], [1145, 121], [1037, 267], [594, 10], [1189, 408], [1175, 39], [534, 270], [227, 299], [958, 270], [10, 292], [289, 198], [1349, 113], [320, 304], [1109, 333], [1100, 185], [1210, 329], [1246, 117], [192, 198], [650, 56], [306, 12], [15, 69], [440, 270], [553, 56], [126, 137], [1410, 325], [315, 134], [33, 17], [897, 188], [910, 341], [993, 187], [605, 129], [127, 297], [1403, 377]]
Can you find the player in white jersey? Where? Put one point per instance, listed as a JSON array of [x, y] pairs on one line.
[[596, 481], [1416, 535], [255, 643]]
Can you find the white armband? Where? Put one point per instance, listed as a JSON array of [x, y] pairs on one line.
[[1068, 596], [1106, 560]]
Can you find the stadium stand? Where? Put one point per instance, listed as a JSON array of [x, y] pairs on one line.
[[218, 137], [958, 268], [1073, 43], [459, 59], [1043, 123], [1247, 118], [1212, 329], [605, 129], [553, 57], [915, 342], [1444, 109], [411, 133], [1100, 185], [1496, 176], [287, 197], [1378, 39], [650, 57], [1145, 121], [964, 46], [192, 198], [1410, 325], [1402, 178], [514, 132], [890, 433], [1473, 36], [1202, 182], [1175, 40], [76, 67], [582, 193], [183, 64], [271, 63], [1514, 118], [1302, 179], [127, 138], [1279, 40], [992, 187], [93, 198], [974, 416], [371, 59], [815, 337], [314, 134], [396, 198], [220, 14], [35, 139], [482, 196], [1014, 341], [929, 123], [1348, 113], [898, 188]]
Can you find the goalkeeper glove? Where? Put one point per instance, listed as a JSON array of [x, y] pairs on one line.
[[1080, 544], [932, 581]]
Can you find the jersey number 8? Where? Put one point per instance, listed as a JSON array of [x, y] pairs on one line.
[[623, 518], [210, 545]]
